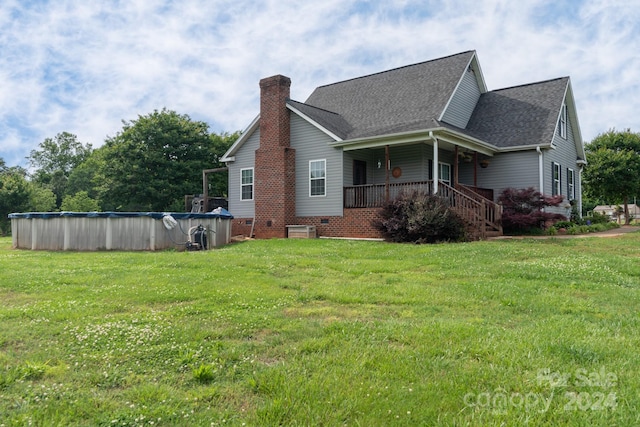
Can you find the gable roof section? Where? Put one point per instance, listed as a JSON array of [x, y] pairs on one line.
[[399, 100], [411, 100], [524, 115], [246, 134], [329, 122]]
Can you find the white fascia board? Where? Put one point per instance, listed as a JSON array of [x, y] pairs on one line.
[[475, 66], [229, 155], [575, 124], [524, 147], [404, 138], [314, 123], [475, 63]]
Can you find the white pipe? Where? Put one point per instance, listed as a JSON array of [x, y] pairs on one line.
[[540, 170], [436, 166]]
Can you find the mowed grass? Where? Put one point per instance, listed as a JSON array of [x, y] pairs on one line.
[[324, 332]]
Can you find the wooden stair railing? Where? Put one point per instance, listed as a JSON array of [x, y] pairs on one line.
[[483, 214]]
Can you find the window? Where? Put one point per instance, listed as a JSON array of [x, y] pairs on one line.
[[317, 178], [555, 179], [562, 122], [445, 173], [571, 185], [246, 184]]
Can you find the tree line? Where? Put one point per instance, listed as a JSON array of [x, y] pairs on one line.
[[157, 159], [149, 165]]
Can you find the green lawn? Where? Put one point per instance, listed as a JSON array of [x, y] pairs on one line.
[[324, 332]]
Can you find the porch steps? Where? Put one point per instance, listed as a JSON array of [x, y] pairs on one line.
[[483, 215]]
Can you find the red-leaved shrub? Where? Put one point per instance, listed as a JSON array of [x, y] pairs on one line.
[[522, 209]]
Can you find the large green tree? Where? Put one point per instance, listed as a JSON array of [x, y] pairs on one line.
[[613, 168], [155, 161], [17, 194], [54, 161]]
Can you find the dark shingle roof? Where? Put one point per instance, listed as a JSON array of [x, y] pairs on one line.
[[331, 121], [398, 100], [411, 98], [521, 115]]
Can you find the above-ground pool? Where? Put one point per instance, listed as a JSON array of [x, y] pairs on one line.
[[128, 231]]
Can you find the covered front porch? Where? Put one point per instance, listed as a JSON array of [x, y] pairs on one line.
[[381, 173]]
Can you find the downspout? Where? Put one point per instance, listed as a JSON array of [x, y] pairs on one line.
[[436, 168], [580, 189], [540, 170]]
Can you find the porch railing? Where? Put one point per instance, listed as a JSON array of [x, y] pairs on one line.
[[483, 214], [374, 195]]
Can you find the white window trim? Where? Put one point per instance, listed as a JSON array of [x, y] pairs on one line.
[[242, 185], [323, 178], [563, 121], [440, 174], [571, 184], [556, 183]]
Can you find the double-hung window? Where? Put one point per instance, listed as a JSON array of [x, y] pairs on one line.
[[571, 184], [562, 122], [445, 173], [246, 184], [555, 177], [317, 178]]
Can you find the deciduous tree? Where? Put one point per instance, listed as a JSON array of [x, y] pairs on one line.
[[155, 161], [55, 159], [613, 168]]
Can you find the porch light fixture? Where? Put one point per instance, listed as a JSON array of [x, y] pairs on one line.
[[484, 163], [466, 157], [379, 163]]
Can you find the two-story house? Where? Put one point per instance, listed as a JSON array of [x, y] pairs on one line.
[[332, 160]]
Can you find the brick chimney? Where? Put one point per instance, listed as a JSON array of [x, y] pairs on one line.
[[274, 162]]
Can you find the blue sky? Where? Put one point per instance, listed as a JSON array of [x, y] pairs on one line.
[[84, 66]]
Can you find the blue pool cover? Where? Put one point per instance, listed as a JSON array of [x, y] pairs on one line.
[[217, 213]]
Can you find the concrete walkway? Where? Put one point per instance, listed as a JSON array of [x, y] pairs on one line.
[[624, 229]]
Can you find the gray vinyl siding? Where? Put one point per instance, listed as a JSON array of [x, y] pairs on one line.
[[413, 160], [367, 156], [565, 154], [312, 144], [245, 158], [463, 102], [515, 169]]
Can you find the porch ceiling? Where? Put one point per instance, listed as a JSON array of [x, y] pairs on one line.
[[447, 140]]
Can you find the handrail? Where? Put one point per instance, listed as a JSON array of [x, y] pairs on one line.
[[476, 209], [482, 213]]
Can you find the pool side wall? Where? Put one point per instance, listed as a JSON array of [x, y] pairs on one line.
[[141, 233]]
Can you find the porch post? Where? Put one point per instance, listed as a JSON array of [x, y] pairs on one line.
[[475, 168], [455, 167], [436, 166], [386, 173]]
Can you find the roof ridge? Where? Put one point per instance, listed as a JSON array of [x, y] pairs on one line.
[[395, 69], [313, 106], [530, 84]]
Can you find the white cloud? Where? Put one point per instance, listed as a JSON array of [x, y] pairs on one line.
[[82, 67]]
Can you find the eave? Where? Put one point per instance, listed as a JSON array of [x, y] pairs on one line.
[[314, 123], [413, 137], [229, 155]]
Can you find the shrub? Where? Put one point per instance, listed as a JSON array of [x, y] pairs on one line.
[[522, 209], [418, 217], [563, 224], [598, 218]]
